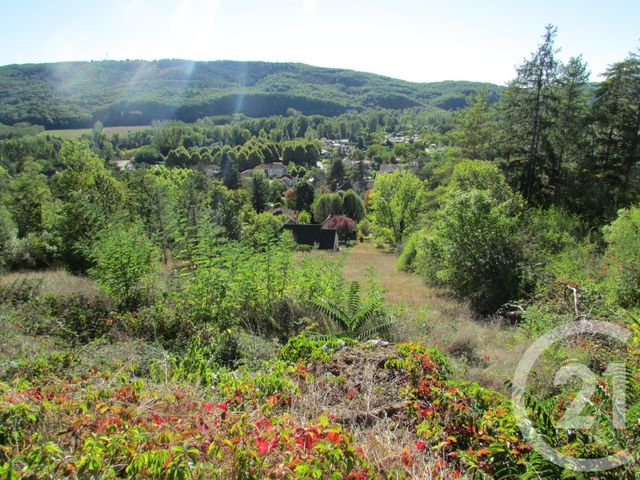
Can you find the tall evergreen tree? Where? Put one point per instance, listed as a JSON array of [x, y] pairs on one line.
[[475, 127], [304, 196], [617, 131], [568, 137], [337, 173], [527, 110], [259, 192]]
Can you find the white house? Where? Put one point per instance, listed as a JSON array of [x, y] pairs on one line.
[[273, 170]]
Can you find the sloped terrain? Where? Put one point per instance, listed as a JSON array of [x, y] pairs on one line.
[[118, 93]]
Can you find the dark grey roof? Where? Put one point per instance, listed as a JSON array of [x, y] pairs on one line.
[[311, 234]]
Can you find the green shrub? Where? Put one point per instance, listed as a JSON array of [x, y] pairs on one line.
[[262, 229], [358, 315], [472, 247], [36, 250], [396, 204], [622, 258], [304, 217], [305, 348], [124, 259], [326, 205], [72, 317], [471, 175], [545, 233], [353, 206], [364, 227], [429, 258], [7, 238], [159, 322], [474, 250], [406, 260]]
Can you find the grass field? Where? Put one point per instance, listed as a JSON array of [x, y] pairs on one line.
[[77, 132], [484, 350]]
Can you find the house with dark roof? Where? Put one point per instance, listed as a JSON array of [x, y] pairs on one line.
[[345, 186], [288, 180], [313, 234], [284, 212]]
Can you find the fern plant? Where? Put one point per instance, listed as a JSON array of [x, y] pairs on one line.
[[358, 316]]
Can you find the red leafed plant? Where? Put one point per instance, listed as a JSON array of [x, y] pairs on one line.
[[345, 226]]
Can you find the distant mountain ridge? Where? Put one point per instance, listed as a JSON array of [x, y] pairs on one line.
[[136, 92]]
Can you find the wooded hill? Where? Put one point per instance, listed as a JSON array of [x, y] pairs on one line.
[[77, 94]]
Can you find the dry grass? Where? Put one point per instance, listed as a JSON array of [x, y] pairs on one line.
[[482, 350], [357, 391], [59, 282]]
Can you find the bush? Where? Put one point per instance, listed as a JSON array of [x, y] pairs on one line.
[[622, 258], [303, 348], [263, 228], [344, 225], [36, 250], [353, 206], [304, 217], [124, 259], [544, 235], [72, 317], [326, 205], [407, 258], [7, 238], [158, 323], [149, 154], [481, 258], [472, 248], [396, 204], [364, 227]]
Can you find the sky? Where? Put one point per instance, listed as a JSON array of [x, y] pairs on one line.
[[415, 40]]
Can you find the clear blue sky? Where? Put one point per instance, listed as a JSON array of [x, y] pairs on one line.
[[417, 40]]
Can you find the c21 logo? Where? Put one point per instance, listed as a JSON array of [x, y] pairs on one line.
[[573, 419]]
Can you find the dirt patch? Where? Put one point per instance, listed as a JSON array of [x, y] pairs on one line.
[[354, 387]]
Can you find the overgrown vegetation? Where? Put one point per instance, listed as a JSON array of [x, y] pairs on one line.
[[160, 323]]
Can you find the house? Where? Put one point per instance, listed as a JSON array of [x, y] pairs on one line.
[[329, 240], [313, 234], [288, 180], [211, 171], [345, 186], [369, 183], [284, 212], [123, 164], [273, 170], [390, 168]]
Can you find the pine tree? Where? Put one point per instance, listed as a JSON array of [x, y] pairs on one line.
[[475, 127], [617, 130], [259, 192], [527, 118]]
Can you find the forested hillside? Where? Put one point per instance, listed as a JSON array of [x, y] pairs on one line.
[[77, 94]]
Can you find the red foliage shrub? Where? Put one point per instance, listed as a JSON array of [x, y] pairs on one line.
[[345, 226]]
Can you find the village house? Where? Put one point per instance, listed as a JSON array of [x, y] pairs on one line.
[[273, 170], [390, 168], [288, 180], [313, 235], [123, 164]]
